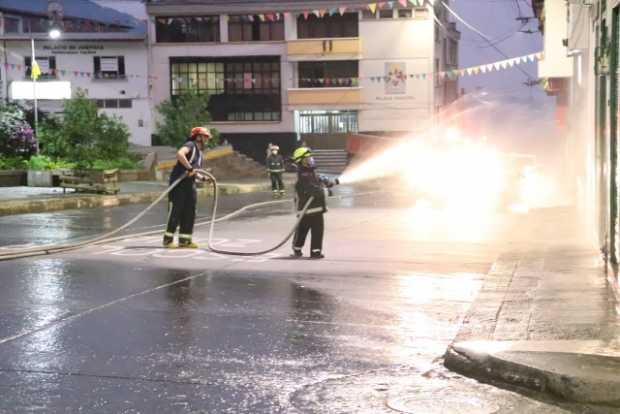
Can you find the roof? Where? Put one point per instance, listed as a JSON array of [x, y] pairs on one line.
[[79, 9], [191, 6]]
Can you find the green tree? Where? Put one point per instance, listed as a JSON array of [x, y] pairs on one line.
[[16, 135], [180, 115]]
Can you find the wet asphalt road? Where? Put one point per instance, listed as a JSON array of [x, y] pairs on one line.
[[129, 328]]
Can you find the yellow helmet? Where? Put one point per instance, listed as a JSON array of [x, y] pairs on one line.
[[301, 153]]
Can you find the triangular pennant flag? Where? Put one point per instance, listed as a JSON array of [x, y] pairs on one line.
[[381, 4], [496, 66], [483, 69], [532, 57], [306, 14], [19, 67], [251, 17], [261, 17], [462, 72], [317, 13], [322, 13], [277, 16], [341, 10], [511, 62], [504, 64], [470, 71], [390, 4], [403, 3], [540, 55], [372, 7], [477, 70], [413, 2]]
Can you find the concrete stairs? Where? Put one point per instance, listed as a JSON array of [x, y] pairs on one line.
[[232, 165], [330, 161]]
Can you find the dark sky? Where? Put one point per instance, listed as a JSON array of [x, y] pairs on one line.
[[496, 19]]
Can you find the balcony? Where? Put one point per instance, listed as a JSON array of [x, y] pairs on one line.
[[324, 49], [321, 97]]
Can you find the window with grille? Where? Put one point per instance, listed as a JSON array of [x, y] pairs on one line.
[[46, 64], [239, 89], [327, 122], [109, 67]]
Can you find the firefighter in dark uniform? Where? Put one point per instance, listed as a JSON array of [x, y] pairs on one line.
[[182, 199], [310, 184], [275, 167]]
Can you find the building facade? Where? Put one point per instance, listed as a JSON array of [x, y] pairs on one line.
[[582, 52], [283, 72], [101, 51]]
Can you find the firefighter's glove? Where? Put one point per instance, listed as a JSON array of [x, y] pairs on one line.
[[191, 173]]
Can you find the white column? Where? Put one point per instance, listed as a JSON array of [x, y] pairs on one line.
[[224, 28]]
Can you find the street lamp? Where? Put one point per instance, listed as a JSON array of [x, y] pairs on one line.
[[35, 71]]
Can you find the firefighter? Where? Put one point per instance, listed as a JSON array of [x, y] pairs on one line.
[[275, 167], [182, 199], [310, 184]]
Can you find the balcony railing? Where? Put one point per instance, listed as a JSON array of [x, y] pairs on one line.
[[317, 97], [331, 48]]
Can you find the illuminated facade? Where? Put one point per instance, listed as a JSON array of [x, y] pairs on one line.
[[279, 72]]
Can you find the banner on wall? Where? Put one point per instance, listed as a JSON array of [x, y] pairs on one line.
[[395, 78]]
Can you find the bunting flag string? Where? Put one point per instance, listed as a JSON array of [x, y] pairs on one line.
[[338, 81]]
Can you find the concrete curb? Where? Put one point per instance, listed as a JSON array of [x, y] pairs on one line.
[[69, 202], [578, 371]]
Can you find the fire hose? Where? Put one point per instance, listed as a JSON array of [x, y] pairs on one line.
[[16, 253]]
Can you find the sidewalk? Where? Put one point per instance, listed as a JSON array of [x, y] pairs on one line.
[[545, 319], [24, 200]]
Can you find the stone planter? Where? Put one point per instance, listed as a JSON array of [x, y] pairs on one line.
[[91, 181], [42, 178], [13, 178]]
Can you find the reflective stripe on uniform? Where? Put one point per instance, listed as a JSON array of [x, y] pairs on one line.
[[168, 234], [297, 249], [316, 250], [185, 236], [275, 171], [312, 211]]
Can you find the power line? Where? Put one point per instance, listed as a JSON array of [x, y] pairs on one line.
[[482, 35]]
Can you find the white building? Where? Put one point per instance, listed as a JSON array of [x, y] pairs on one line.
[[101, 51], [316, 71]]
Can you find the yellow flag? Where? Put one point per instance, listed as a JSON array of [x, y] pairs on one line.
[[36, 70], [373, 7]]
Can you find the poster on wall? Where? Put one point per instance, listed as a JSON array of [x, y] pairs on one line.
[[395, 78]]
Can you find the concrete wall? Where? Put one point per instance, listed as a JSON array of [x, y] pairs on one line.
[[555, 64], [71, 58], [410, 44]]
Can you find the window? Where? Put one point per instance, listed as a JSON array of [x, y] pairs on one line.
[[109, 67], [46, 64], [12, 24], [386, 14], [240, 89], [188, 29], [405, 13], [368, 15], [113, 103], [251, 28], [328, 74], [327, 122], [314, 27]]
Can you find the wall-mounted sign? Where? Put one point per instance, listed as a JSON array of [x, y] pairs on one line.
[[44, 90], [395, 78], [70, 49]]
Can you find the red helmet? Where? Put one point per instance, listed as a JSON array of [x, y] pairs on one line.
[[200, 131]]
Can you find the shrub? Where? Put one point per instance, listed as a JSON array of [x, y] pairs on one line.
[[16, 135], [13, 163], [180, 115], [43, 162], [83, 136]]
